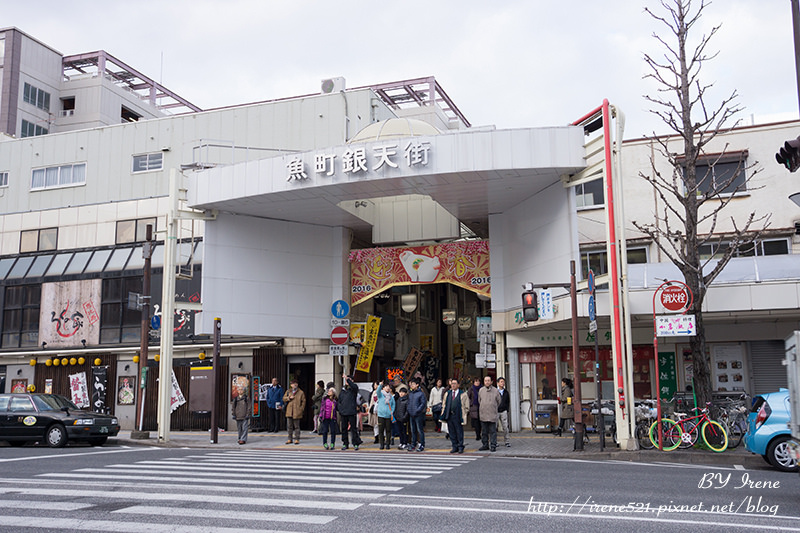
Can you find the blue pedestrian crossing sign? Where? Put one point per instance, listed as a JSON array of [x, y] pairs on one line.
[[340, 309]]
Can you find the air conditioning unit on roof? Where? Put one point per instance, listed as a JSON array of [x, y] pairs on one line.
[[332, 85]]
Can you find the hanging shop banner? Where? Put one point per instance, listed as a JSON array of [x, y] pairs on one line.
[[79, 392], [368, 348], [358, 331], [177, 396], [667, 374], [99, 389], [70, 313], [465, 264]]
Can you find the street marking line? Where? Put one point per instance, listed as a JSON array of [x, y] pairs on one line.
[[191, 497], [62, 456], [308, 465], [70, 524], [348, 494], [236, 515], [210, 467], [233, 476], [40, 504], [237, 481]]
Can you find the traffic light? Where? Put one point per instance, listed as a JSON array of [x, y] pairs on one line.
[[789, 155], [530, 306]]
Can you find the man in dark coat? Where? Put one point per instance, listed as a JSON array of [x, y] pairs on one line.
[[348, 410], [417, 405], [455, 411]]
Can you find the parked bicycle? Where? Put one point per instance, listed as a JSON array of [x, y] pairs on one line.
[[732, 414], [686, 430]]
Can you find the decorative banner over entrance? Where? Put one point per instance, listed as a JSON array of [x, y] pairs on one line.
[[465, 264], [69, 313]]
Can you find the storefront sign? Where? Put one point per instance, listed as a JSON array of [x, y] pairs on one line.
[[99, 388], [537, 356], [364, 360], [667, 374], [79, 392], [177, 398], [675, 326], [449, 316], [69, 313], [465, 264], [359, 160]]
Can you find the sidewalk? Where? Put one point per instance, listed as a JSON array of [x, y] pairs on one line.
[[525, 443]]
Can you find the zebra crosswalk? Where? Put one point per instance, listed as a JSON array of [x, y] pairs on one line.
[[215, 492]]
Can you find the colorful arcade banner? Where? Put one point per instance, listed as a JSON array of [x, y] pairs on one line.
[[465, 264]]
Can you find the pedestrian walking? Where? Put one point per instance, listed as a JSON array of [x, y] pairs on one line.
[[567, 411], [316, 401], [327, 418], [489, 403], [274, 406], [474, 407], [372, 419], [417, 405], [401, 417], [241, 413], [294, 402], [502, 411], [348, 410], [435, 403], [385, 409], [455, 411]]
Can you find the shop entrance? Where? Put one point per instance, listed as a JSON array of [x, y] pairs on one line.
[[303, 372]]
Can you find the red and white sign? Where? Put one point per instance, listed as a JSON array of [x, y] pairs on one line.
[[675, 298], [339, 335]]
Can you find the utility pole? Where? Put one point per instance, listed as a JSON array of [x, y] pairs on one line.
[[215, 382], [796, 33], [147, 251], [576, 361]]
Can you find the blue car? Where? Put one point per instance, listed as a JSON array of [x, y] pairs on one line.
[[768, 431]]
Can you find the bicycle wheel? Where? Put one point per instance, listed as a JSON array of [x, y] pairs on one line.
[[714, 436], [688, 437], [643, 436], [671, 434], [737, 427]]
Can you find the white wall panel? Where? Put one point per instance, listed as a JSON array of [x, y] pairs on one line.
[[268, 277]]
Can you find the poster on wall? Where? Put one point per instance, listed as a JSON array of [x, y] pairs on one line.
[[18, 386], [126, 393], [728, 367], [70, 313], [464, 264]]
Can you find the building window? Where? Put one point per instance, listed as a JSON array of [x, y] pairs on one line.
[[61, 176], [590, 194], [134, 230], [29, 129], [3, 179], [38, 240], [68, 106], [757, 248], [597, 260], [21, 316], [126, 115], [145, 162], [36, 97], [117, 322], [722, 174]]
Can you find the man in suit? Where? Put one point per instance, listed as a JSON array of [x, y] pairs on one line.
[[455, 411], [502, 410]]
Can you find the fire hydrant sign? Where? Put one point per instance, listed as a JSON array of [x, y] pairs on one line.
[[675, 326]]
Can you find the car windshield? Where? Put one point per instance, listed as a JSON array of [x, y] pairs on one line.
[[52, 402]]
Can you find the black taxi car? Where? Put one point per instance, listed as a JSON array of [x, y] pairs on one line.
[[53, 420]]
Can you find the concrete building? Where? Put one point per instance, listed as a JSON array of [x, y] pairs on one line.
[[385, 197]]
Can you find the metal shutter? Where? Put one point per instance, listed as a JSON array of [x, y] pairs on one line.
[[766, 359]]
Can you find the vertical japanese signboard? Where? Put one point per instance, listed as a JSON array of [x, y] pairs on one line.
[[368, 348], [668, 377]]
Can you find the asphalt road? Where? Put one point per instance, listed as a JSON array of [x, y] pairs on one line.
[[151, 489]]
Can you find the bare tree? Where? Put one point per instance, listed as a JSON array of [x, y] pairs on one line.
[[688, 200]]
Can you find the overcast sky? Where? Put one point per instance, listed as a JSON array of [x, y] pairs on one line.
[[510, 63]]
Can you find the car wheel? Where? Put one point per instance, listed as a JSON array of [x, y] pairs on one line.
[[778, 454], [98, 441], [56, 436]]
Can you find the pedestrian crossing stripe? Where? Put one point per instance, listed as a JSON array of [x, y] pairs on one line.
[[237, 515], [114, 526], [255, 467]]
